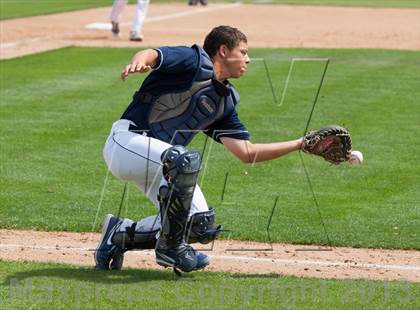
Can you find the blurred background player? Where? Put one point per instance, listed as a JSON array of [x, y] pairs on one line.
[[137, 25], [195, 2]]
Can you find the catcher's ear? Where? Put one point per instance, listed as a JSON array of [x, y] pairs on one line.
[[223, 50]]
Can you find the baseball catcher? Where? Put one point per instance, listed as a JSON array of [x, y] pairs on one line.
[[187, 91]]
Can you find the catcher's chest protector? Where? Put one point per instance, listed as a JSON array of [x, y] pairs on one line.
[[177, 116]]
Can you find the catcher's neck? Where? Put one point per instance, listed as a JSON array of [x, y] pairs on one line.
[[220, 72]]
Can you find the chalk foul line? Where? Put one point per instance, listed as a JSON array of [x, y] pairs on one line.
[[275, 261]]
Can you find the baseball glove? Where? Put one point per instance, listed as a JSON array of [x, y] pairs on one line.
[[333, 143]]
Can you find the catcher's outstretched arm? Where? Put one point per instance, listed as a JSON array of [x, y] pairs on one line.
[[249, 152]]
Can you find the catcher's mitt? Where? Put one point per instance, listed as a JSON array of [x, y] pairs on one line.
[[333, 143]]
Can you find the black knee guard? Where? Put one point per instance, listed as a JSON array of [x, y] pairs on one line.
[[180, 169]]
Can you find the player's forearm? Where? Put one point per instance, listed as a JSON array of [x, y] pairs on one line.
[[268, 151], [147, 57]]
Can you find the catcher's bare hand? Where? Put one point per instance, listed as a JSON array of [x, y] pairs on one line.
[[138, 66]]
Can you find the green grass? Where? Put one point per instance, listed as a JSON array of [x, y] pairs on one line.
[[55, 116], [58, 286], [22, 8]]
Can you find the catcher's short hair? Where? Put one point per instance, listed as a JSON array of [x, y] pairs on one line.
[[223, 35]]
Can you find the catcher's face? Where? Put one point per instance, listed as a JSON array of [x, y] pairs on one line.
[[237, 60]]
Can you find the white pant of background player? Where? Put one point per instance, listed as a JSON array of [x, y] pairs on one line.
[[138, 21], [134, 157]]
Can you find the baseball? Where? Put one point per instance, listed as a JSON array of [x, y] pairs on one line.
[[356, 158]]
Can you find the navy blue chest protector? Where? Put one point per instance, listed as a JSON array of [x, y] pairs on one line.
[[175, 117]]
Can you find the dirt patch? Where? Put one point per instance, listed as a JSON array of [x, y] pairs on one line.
[[227, 256], [177, 23]]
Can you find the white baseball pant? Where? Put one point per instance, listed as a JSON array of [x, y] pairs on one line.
[[141, 11], [134, 157]]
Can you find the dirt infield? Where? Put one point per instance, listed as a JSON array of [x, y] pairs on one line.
[[266, 26], [227, 256]]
